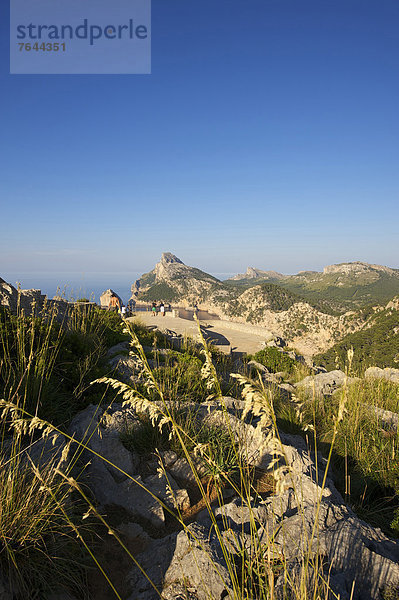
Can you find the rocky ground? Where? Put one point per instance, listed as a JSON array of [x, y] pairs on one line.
[[298, 518], [302, 518]]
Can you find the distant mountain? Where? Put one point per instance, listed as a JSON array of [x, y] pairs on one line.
[[347, 284], [341, 286], [252, 273], [312, 311]]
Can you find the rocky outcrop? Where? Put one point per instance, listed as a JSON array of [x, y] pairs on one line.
[[113, 472], [25, 300], [303, 521], [325, 383], [388, 373], [300, 324], [358, 268], [106, 297], [252, 273], [176, 282]]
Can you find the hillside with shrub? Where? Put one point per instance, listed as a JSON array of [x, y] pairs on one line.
[[377, 344]]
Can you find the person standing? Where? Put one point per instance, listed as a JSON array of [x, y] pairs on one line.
[[162, 309], [114, 303], [154, 309]]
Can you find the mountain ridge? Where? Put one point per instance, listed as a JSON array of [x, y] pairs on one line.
[[311, 323]]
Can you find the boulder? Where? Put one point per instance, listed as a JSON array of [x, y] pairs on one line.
[[136, 497], [48, 451], [106, 297], [388, 419], [166, 489], [276, 342], [122, 347], [198, 564], [182, 471], [113, 472], [12, 298], [155, 562], [119, 418], [187, 565], [388, 373], [128, 367], [325, 383]]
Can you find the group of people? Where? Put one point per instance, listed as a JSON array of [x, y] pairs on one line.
[[156, 308]]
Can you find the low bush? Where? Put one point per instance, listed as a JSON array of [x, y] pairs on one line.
[[274, 360]]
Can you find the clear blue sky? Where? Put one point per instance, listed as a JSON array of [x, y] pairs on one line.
[[267, 135]]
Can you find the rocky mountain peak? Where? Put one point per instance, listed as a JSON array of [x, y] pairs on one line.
[[356, 267], [169, 258], [169, 267], [252, 273]]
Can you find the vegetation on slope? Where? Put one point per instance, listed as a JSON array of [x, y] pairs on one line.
[[349, 295], [160, 291], [49, 363], [271, 296], [337, 291], [46, 367], [365, 458], [274, 360], [376, 345]]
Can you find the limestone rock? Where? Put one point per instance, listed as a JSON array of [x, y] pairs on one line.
[[389, 374], [118, 349], [128, 367], [119, 418], [167, 490], [182, 471], [324, 383], [11, 298], [155, 562], [168, 457], [48, 451], [106, 297], [134, 497], [198, 563]]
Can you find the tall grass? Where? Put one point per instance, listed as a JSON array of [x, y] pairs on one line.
[[44, 363], [365, 458], [253, 569], [38, 546], [217, 453]]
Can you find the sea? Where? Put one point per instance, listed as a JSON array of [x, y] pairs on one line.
[[73, 286]]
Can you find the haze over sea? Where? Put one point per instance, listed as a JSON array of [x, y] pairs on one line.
[[81, 285]]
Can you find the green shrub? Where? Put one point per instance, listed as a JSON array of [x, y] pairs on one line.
[[374, 346], [274, 360]]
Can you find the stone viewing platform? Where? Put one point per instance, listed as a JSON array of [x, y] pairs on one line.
[[226, 335]]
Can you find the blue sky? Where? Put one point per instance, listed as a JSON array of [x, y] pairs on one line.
[[266, 135]]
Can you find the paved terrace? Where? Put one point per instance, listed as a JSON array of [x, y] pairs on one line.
[[226, 335]]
